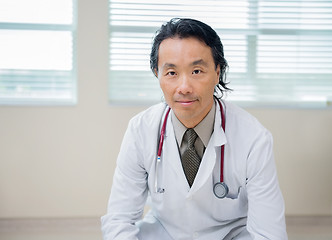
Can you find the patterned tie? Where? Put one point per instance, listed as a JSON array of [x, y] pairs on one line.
[[190, 158]]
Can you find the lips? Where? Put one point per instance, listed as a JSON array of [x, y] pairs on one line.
[[186, 102]]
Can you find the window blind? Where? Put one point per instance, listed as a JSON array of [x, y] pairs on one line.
[[279, 52], [37, 43]]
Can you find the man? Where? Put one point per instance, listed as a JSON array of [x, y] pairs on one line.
[[200, 141]]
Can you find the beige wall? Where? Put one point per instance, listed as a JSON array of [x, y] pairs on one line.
[[59, 161]]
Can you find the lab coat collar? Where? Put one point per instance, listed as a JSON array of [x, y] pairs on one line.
[[219, 137]]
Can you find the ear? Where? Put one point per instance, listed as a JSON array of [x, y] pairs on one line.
[[217, 74], [155, 71]]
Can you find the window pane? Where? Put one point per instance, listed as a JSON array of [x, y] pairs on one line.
[[152, 13], [295, 54], [24, 87], [36, 50], [296, 14], [36, 11]]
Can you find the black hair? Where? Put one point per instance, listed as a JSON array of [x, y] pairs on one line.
[[185, 28]]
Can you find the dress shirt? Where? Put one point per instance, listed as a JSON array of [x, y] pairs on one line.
[[204, 131]]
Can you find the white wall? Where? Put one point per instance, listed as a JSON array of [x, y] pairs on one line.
[[59, 161]]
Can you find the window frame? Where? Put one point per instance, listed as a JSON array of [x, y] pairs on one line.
[[35, 74], [252, 34]]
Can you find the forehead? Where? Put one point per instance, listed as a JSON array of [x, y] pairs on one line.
[[183, 50]]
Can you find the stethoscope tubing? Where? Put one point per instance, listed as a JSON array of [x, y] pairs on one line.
[[222, 157], [162, 133]]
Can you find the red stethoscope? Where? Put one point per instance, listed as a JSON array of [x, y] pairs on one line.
[[220, 189]]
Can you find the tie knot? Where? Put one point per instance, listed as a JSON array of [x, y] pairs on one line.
[[191, 136]]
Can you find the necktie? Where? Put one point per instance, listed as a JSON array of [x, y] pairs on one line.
[[190, 158]]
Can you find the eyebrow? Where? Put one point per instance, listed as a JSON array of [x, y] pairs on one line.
[[169, 65], [197, 62]]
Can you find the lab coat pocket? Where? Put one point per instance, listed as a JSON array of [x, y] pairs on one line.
[[230, 207], [157, 201]]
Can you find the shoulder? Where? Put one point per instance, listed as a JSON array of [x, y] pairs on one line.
[[149, 117], [243, 121], [249, 139], [143, 133], [146, 124]]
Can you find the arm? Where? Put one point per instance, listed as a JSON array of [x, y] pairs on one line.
[[265, 202], [129, 190]]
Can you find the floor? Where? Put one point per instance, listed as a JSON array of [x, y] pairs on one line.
[[309, 228], [50, 229], [298, 228]]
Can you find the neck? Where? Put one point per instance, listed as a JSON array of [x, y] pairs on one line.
[[192, 122]]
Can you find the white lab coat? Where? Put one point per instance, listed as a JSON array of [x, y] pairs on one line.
[[253, 209]]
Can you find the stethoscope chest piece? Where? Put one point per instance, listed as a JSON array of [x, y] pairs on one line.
[[220, 189]]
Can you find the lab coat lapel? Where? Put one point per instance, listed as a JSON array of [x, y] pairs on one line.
[[211, 154], [172, 157]]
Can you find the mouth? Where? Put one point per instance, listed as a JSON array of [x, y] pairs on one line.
[[186, 103]]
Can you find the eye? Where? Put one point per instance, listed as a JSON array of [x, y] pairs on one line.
[[195, 72], [171, 73]]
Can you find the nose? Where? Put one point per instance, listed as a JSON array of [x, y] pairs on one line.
[[185, 86]]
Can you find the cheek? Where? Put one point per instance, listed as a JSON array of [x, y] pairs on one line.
[[162, 85], [165, 87], [211, 84]]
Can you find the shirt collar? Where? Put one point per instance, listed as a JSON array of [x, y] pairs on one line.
[[204, 129]]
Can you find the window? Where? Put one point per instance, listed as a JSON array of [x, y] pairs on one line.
[[37, 42], [279, 52]]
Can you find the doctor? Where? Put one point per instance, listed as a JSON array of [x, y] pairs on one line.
[[204, 166]]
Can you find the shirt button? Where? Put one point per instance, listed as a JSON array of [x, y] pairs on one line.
[[195, 235]]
